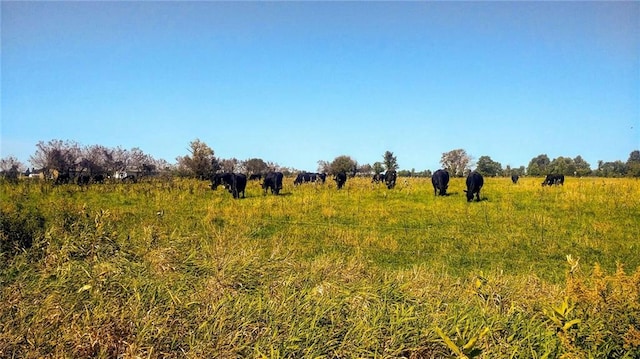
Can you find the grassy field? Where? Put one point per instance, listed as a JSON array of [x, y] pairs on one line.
[[174, 269]]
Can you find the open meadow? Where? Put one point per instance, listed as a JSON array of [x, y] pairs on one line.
[[174, 269]]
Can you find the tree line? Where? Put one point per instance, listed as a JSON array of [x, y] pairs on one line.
[[57, 156]]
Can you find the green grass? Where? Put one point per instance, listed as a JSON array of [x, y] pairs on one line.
[[173, 269]]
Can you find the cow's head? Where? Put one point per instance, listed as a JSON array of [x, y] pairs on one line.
[[469, 195], [215, 182]]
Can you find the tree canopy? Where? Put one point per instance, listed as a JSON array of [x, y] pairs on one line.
[[201, 163], [390, 161], [489, 167], [344, 164]]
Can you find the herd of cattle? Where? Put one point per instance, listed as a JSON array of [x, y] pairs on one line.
[[236, 183]]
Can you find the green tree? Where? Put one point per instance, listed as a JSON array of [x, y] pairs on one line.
[[201, 163], [255, 165], [583, 168], [343, 164], [456, 162], [378, 167], [562, 165], [489, 167], [390, 161], [633, 164], [538, 165], [611, 169]]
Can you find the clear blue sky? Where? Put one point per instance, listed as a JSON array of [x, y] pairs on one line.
[[298, 82]]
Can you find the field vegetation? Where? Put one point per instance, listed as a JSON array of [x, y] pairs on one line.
[[173, 269]]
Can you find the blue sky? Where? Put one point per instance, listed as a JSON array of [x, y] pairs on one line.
[[298, 82]]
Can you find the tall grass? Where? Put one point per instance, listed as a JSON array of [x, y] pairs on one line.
[[173, 269]]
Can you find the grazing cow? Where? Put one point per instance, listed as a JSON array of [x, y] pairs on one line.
[[83, 180], [301, 178], [273, 180], [233, 182], [129, 179], [340, 178], [98, 178], [304, 177], [62, 178], [377, 178], [255, 177], [390, 178], [474, 184], [440, 181], [515, 178], [553, 179]]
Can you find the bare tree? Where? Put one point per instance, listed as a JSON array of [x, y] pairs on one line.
[[324, 166], [456, 162], [10, 168], [120, 158], [138, 159], [10, 163], [230, 165], [94, 159], [56, 155]]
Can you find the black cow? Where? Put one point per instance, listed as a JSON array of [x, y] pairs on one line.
[[83, 180], [130, 179], [255, 177], [273, 180], [63, 178], [474, 184], [98, 178], [341, 179], [378, 177], [233, 182], [440, 181], [553, 179], [304, 177], [390, 178], [515, 178]]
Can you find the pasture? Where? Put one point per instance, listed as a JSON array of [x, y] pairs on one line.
[[174, 269]]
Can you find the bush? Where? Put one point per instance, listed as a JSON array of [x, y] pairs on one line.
[[600, 317]]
